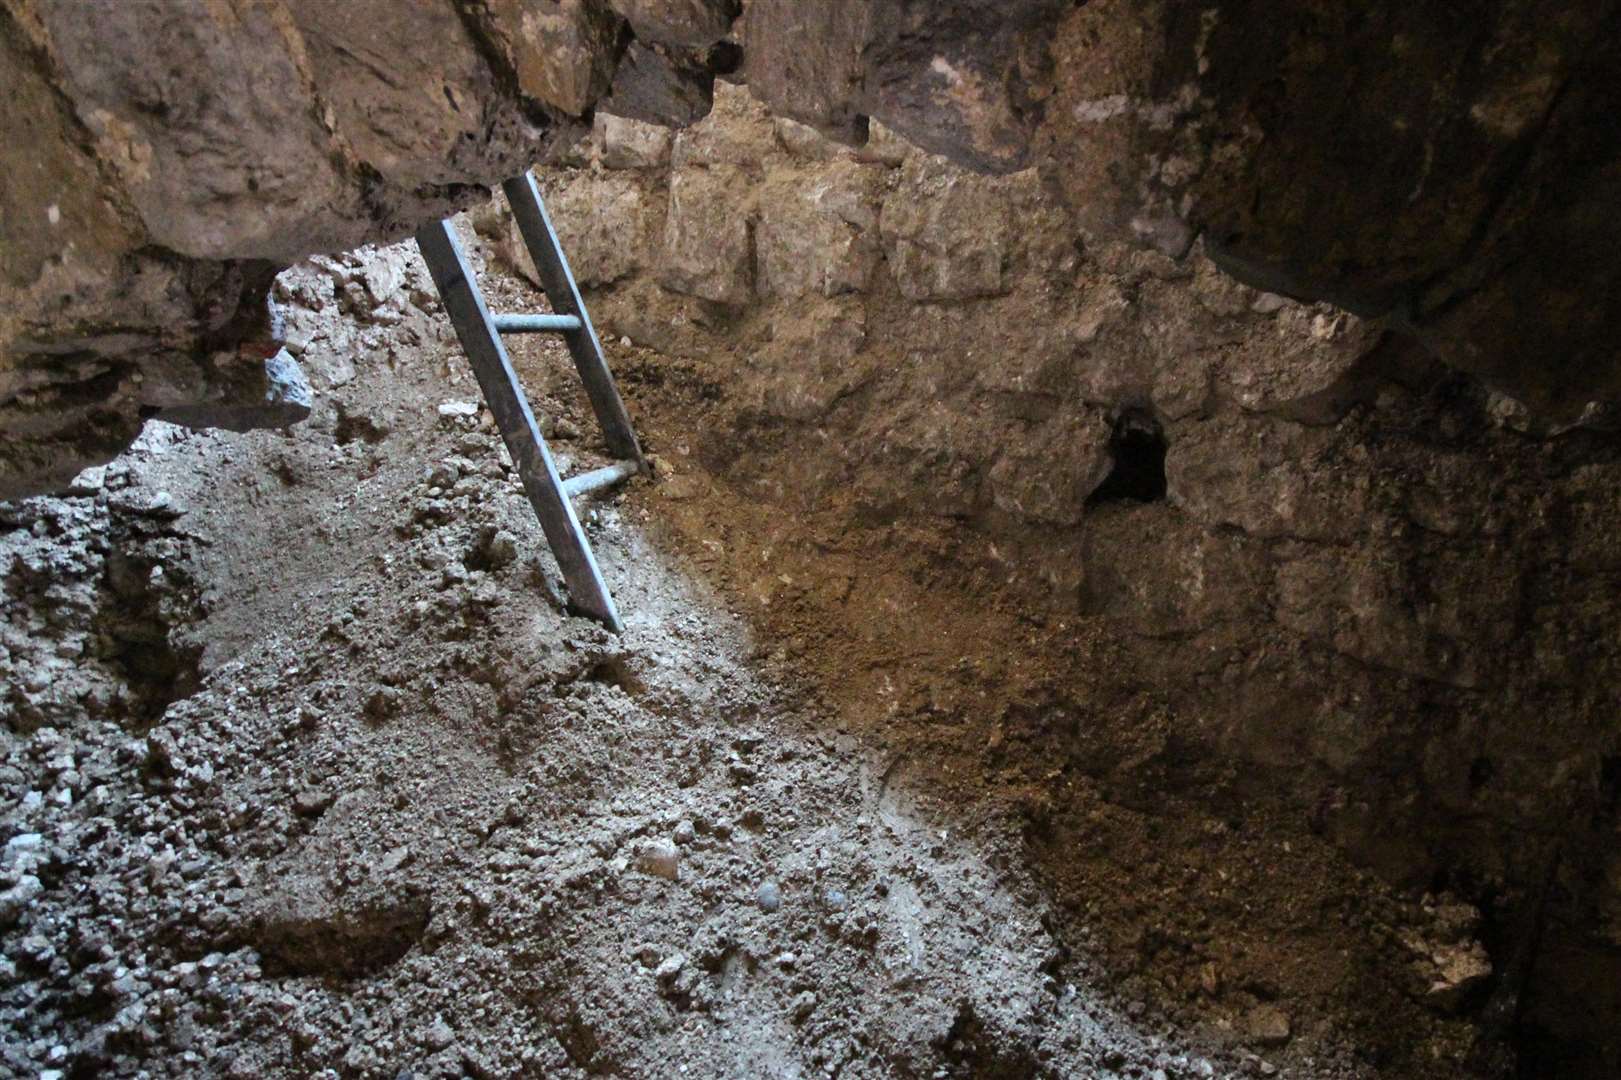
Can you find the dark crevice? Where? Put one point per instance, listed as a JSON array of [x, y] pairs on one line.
[[971, 1048], [1138, 474], [134, 625], [327, 940]]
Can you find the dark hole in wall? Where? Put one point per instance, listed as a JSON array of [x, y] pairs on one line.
[[1138, 475], [1609, 781]]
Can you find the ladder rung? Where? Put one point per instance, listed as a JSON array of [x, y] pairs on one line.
[[597, 479], [536, 324]]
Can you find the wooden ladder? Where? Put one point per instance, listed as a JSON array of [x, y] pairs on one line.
[[480, 335]]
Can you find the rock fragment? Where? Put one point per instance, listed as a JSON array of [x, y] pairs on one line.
[[502, 550], [383, 703], [669, 968], [438, 1035], [1459, 968], [1267, 1025], [632, 144], [803, 1005], [311, 802], [15, 900], [660, 858]]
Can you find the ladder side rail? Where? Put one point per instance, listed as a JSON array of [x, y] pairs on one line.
[[558, 282]]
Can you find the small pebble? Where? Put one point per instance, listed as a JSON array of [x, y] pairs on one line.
[[502, 549], [661, 859], [311, 802], [770, 896], [804, 1004], [438, 1036]]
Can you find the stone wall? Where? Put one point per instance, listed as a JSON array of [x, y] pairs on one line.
[[1450, 172], [1366, 585], [99, 603]]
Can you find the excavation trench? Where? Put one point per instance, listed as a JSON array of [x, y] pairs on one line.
[[1040, 659], [840, 801]]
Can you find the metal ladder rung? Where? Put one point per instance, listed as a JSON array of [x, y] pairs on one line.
[[597, 479], [536, 324]]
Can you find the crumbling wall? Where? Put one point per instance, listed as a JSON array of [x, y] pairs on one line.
[[1449, 170], [1368, 586], [97, 604]]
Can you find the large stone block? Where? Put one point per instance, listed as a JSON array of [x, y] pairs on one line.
[[736, 132], [185, 111], [657, 88], [708, 247], [632, 144], [1307, 369], [1468, 188], [1165, 575], [1592, 496], [606, 223], [805, 60], [971, 95], [1441, 615], [1452, 494], [946, 232], [809, 363], [1270, 479], [562, 52], [820, 236], [804, 141], [1044, 476], [689, 24]]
